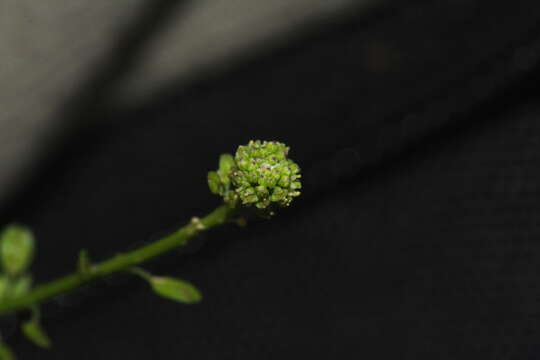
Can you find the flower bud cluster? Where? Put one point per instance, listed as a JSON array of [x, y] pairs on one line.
[[259, 175]]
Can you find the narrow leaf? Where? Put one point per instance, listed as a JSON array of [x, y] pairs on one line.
[[35, 334], [175, 289], [6, 353], [16, 249]]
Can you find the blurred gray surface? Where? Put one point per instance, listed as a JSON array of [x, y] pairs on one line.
[[49, 48]]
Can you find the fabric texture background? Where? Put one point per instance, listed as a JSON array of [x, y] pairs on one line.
[[416, 237]]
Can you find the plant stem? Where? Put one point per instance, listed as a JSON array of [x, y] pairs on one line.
[[118, 263]]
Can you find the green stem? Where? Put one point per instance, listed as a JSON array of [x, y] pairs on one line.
[[140, 273], [118, 263]]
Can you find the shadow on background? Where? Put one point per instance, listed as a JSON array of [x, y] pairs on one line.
[[88, 113], [89, 107]]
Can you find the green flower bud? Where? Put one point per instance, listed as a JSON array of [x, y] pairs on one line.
[[16, 249], [214, 182], [259, 175], [226, 166]]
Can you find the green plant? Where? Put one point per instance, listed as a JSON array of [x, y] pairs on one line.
[[258, 179]]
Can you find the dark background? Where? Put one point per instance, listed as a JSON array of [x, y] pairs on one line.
[[417, 128]]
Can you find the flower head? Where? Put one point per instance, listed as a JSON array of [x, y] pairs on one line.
[[259, 175]]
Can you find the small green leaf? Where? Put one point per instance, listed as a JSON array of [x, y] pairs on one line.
[[6, 353], [168, 287], [16, 249], [84, 265], [34, 332], [175, 289]]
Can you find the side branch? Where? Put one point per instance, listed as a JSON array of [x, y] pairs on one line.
[[118, 263]]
